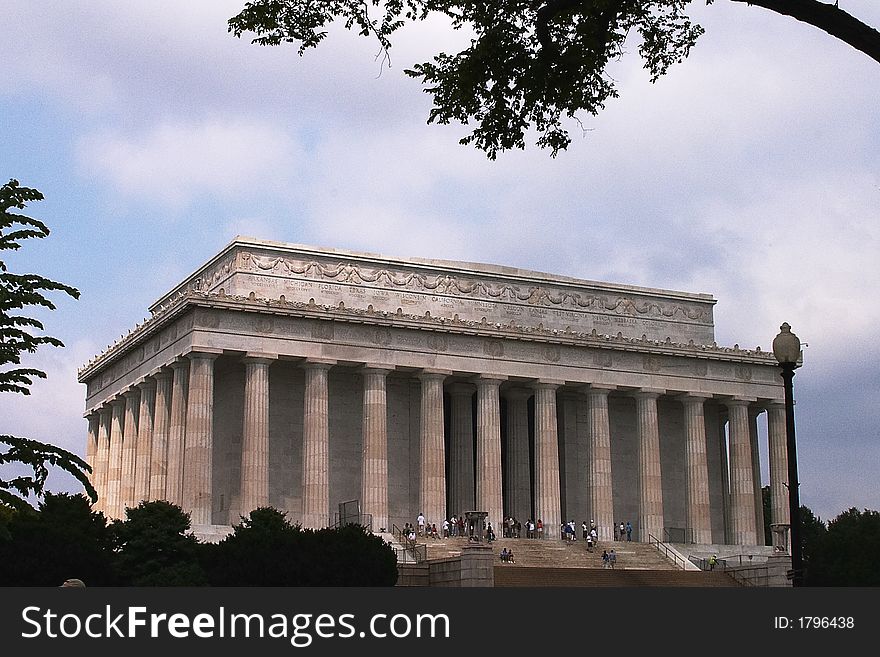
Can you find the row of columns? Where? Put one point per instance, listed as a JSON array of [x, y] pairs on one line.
[[156, 442]]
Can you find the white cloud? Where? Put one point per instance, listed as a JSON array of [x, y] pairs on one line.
[[176, 162]]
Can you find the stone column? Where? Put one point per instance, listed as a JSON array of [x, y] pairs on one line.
[[316, 446], [255, 434], [374, 470], [113, 508], [779, 512], [461, 450], [742, 474], [601, 495], [724, 456], [547, 493], [92, 445], [699, 519], [432, 449], [161, 428], [518, 472], [129, 450], [650, 485], [177, 432], [199, 452], [489, 487], [754, 412], [102, 458], [143, 463]]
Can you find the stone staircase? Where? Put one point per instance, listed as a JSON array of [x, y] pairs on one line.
[[563, 563]]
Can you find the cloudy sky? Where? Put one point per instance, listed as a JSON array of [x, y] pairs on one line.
[[751, 172]]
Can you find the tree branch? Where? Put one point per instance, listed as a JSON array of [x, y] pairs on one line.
[[828, 18]]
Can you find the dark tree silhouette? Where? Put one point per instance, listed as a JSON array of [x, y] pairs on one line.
[[17, 336], [531, 63]]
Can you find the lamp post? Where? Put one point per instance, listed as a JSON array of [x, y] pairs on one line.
[[787, 350]]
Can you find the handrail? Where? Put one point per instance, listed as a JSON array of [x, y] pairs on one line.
[[667, 551], [418, 552]]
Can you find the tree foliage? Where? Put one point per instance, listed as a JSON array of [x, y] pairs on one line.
[[17, 337], [531, 64], [846, 553], [63, 539], [154, 548], [265, 549]]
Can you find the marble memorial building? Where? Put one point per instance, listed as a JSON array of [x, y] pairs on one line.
[[303, 377]]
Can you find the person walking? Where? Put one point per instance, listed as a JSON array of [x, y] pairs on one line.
[[629, 531], [612, 558]]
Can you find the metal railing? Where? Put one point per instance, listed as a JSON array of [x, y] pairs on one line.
[[410, 551], [667, 551], [363, 519]]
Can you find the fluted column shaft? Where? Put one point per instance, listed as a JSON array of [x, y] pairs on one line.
[[699, 519], [779, 512], [255, 436], [316, 447], [650, 484], [547, 492], [601, 492], [92, 445], [374, 477], [198, 455], [114, 471], [517, 472], [177, 433], [161, 427], [742, 476], [102, 458], [461, 448], [129, 451], [432, 491], [143, 463], [754, 412], [489, 485]]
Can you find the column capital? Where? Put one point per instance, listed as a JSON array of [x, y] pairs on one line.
[[693, 397], [318, 363], [600, 388], [489, 379], [118, 401], [775, 405], [376, 368], [204, 353], [648, 393], [433, 375], [131, 392], [461, 389], [736, 402], [161, 373], [259, 357], [179, 364], [146, 383], [547, 384]]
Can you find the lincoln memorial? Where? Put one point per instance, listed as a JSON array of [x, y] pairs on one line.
[[302, 377]]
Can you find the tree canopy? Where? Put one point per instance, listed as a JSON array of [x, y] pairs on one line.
[[531, 63], [19, 334]]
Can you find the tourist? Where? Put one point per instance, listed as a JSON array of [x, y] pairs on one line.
[[434, 531], [585, 531], [629, 531], [612, 558], [445, 529], [622, 531], [503, 555], [490, 533], [510, 557], [461, 525], [540, 528], [421, 522], [604, 558], [713, 560], [453, 525], [594, 536], [589, 540]]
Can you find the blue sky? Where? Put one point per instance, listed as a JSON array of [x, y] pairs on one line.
[[751, 172]]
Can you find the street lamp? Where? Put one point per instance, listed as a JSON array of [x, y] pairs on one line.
[[787, 350]]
